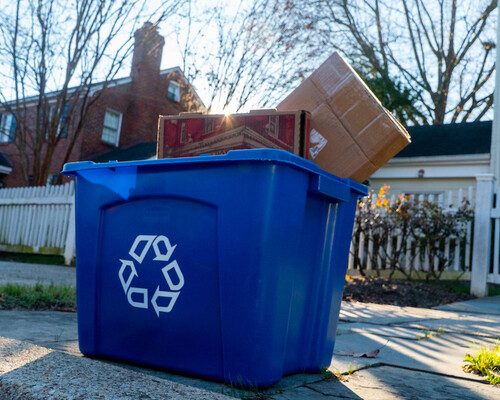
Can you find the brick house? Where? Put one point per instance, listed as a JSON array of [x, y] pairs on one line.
[[122, 123]]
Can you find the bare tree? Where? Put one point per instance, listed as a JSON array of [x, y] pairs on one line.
[[231, 52], [52, 53], [438, 51]]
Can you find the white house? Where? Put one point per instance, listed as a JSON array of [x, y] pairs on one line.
[[440, 158]]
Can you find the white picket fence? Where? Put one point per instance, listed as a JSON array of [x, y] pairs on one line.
[[38, 220], [42, 220], [494, 270], [412, 257]]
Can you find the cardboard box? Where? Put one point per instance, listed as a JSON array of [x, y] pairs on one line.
[[352, 134], [192, 134]]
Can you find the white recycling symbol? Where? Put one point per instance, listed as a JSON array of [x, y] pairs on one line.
[[169, 271]]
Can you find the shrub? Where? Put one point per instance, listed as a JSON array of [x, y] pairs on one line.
[[406, 230]]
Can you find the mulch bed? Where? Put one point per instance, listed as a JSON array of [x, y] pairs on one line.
[[400, 293]]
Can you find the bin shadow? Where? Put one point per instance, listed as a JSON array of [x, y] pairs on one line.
[[408, 366], [388, 382], [296, 385]]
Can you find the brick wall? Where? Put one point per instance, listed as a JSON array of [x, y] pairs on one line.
[[140, 101]]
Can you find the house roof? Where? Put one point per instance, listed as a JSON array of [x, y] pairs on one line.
[[448, 139], [141, 151], [96, 86]]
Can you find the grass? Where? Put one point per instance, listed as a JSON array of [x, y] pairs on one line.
[[456, 286], [486, 362], [430, 334], [38, 297], [461, 286], [327, 374], [493, 290], [32, 258]]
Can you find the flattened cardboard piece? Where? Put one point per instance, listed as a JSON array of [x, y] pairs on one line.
[[332, 130], [342, 157], [306, 94], [353, 115], [378, 143], [358, 118], [330, 75]]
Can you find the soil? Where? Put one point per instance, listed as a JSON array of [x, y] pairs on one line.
[[404, 293]]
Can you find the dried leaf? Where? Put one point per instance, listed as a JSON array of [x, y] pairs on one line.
[[358, 354], [369, 354]]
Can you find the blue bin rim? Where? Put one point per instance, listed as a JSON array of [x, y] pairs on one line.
[[269, 155]]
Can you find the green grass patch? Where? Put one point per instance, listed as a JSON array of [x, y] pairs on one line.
[[32, 258], [461, 286], [455, 285], [38, 297], [493, 290], [486, 362], [427, 334]]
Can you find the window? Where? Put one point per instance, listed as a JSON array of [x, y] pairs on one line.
[[8, 127], [174, 91], [63, 123], [52, 179], [111, 128]]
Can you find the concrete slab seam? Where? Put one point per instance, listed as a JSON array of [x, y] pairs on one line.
[[446, 330], [363, 367], [485, 382], [386, 324], [336, 396]]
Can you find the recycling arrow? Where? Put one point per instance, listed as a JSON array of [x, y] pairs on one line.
[[133, 273], [166, 273], [135, 303], [137, 297], [159, 293]]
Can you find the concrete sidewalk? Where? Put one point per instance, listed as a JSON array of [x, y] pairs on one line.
[[30, 274], [420, 357]]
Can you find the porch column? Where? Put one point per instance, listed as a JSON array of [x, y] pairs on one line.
[[482, 235]]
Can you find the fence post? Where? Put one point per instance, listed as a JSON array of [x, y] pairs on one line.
[[482, 235], [69, 250]]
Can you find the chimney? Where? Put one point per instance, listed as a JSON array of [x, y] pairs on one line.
[[148, 48]]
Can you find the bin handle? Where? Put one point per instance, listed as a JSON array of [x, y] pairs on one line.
[[325, 186]]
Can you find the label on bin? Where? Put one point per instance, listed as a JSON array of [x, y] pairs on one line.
[[139, 297]]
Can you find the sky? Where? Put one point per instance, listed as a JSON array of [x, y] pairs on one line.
[[174, 31]]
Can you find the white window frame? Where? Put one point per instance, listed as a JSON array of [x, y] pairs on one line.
[[51, 115], [120, 117], [5, 126], [177, 88]]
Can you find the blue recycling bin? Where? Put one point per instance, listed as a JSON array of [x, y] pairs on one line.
[[226, 267]]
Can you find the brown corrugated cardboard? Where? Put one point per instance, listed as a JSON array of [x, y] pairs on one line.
[[345, 149], [360, 135]]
